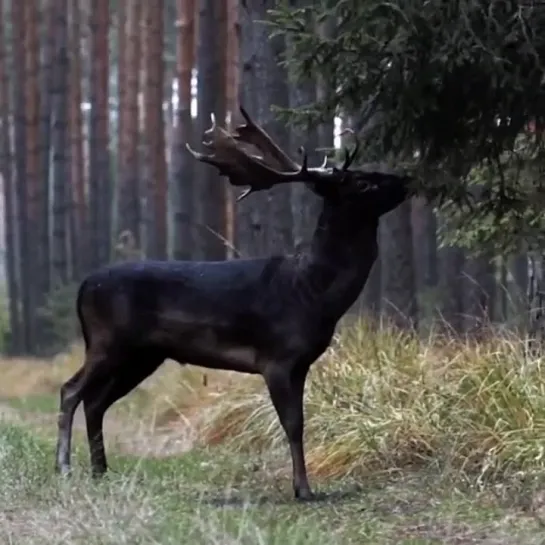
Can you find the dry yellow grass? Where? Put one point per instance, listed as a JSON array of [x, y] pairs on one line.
[[376, 401], [23, 377], [171, 391]]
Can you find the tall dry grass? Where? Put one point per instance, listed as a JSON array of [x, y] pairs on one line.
[[386, 400], [377, 400]]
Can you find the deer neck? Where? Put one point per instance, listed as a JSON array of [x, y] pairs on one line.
[[337, 264]]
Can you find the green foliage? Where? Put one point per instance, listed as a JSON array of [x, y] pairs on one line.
[[506, 207], [448, 87], [453, 80]]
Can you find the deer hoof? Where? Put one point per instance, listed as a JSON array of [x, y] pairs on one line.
[[304, 494], [64, 471]]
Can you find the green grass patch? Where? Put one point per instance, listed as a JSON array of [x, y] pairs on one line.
[[408, 442], [40, 403], [214, 496]]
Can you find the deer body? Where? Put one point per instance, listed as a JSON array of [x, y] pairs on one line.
[[272, 316], [231, 315]]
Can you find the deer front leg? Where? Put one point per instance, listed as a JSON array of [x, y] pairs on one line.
[[286, 387]]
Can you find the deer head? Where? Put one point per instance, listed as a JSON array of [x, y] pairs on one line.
[[249, 157]]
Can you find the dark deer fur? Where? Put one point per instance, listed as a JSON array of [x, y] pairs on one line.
[[273, 316]]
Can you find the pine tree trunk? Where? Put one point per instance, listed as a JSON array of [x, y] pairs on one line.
[[425, 247], [481, 292], [130, 213], [61, 177], [324, 88], [432, 272], [20, 136], [272, 89], [15, 345], [211, 64], [251, 213], [398, 275], [452, 285], [419, 230], [122, 38], [519, 290], [20, 159], [80, 243], [370, 302], [154, 133], [32, 97], [99, 160], [183, 164], [46, 82], [304, 203], [232, 70]]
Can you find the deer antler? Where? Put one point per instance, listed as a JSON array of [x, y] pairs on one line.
[[253, 134], [248, 156], [233, 159]]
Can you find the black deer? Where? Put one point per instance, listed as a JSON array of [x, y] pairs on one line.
[[272, 316]]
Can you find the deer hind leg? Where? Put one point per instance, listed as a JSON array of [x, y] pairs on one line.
[[286, 387], [73, 391], [70, 398], [123, 376]]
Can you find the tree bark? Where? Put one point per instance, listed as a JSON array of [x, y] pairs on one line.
[[481, 292], [451, 288], [130, 212], [211, 100], [80, 242], [154, 133], [99, 160], [251, 213], [25, 107], [519, 295], [15, 345], [304, 203], [61, 177], [122, 68], [232, 70], [46, 82], [183, 164], [398, 276], [272, 90]]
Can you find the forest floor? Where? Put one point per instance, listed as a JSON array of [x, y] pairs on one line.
[[431, 451]]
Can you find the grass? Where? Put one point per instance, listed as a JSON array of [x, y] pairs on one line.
[[213, 497], [408, 442]]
